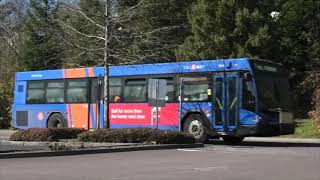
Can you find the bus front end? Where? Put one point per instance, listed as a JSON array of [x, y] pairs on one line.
[[274, 106]]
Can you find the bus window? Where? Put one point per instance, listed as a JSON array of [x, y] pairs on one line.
[[170, 94], [55, 91], [35, 92], [77, 91], [115, 90], [195, 89], [135, 90], [248, 98]]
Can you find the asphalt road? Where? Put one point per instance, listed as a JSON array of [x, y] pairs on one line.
[[214, 162]]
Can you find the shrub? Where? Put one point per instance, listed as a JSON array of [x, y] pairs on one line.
[[6, 94], [39, 134], [315, 114], [136, 135]]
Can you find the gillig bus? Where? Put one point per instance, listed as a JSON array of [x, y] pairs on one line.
[[228, 98]]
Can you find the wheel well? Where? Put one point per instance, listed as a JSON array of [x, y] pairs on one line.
[[187, 115], [51, 114]]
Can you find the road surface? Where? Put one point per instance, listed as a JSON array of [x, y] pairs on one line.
[[214, 162]]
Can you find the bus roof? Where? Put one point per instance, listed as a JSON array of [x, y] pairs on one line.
[[218, 65]]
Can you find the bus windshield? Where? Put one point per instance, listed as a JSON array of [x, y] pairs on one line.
[[272, 86]]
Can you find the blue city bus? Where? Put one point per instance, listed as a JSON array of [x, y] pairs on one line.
[[228, 98]]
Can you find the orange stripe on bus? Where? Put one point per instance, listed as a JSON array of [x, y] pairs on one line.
[[91, 72], [80, 115], [75, 73]]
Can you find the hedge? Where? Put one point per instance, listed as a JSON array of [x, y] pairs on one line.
[[42, 134], [136, 135]]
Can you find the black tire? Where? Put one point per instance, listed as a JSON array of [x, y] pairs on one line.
[[56, 120], [195, 126], [232, 140]]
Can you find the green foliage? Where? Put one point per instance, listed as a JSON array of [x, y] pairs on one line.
[[160, 31], [227, 28], [299, 26], [38, 134], [42, 48], [315, 113], [160, 26], [6, 94], [306, 129], [136, 135]]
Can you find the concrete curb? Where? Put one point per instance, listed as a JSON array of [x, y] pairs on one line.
[[96, 151], [24, 143], [68, 143], [284, 140]]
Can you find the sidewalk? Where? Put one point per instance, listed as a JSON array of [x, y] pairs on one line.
[[283, 140], [5, 134]]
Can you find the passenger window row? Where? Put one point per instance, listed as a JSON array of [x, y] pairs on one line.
[[120, 90], [57, 91]]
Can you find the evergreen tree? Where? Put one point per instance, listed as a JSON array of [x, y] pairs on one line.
[[42, 48], [162, 26], [229, 28], [299, 23], [299, 26]]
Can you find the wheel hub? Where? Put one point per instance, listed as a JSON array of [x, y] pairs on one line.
[[58, 125], [196, 128]]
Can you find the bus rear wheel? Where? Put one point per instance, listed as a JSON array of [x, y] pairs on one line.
[[56, 120], [195, 126], [232, 140]]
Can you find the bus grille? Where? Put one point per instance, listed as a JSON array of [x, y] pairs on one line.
[[22, 118]]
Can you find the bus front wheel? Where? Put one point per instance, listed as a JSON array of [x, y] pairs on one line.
[[195, 126], [232, 140], [56, 120]]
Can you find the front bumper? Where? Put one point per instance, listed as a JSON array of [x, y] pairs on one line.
[[264, 130], [275, 129]]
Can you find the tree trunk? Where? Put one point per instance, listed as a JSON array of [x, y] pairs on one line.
[[106, 72]]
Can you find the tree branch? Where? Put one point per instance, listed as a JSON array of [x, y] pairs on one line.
[[83, 34]]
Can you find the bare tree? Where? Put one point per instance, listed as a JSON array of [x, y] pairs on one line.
[[11, 22], [118, 38]]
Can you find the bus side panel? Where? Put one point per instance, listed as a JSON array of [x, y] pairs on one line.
[[36, 115], [20, 92], [125, 115], [93, 116], [77, 115], [96, 118], [248, 117], [204, 108], [20, 89]]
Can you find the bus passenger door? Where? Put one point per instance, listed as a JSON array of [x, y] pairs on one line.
[[219, 102], [226, 102], [232, 98], [96, 104]]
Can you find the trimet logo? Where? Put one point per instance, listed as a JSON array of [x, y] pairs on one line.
[[194, 67]]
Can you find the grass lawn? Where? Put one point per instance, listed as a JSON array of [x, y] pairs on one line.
[[304, 129]]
